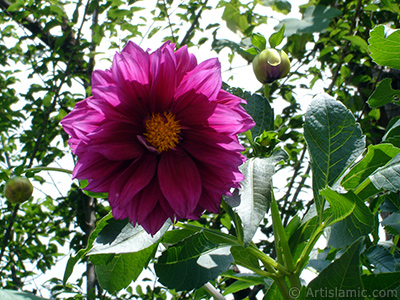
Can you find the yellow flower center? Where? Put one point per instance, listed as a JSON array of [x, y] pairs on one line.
[[162, 131]]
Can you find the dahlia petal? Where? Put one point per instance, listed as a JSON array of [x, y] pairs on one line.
[[204, 79], [163, 68], [185, 62], [136, 52], [135, 177], [101, 78], [153, 223], [180, 181]]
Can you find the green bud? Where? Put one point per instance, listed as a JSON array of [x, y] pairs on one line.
[[18, 189], [270, 65]]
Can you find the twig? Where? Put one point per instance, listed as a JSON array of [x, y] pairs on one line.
[[194, 23]]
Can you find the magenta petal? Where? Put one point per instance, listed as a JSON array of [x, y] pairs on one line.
[[163, 69], [135, 177], [153, 223], [180, 181], [204, 79], [101, 78], [185, 62]]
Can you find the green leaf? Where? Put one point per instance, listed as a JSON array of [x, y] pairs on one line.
[[16, 295], [253, 199], [343, 275], [376, 284], [392, 134], [383, 94], [358, 177], [358, 42], [243, 281], [218, 45], [193, 262], [334, 141], [387, 177], [234, 19], [359, 223], [381, 258], [116, 272], [258, 108], [258, 41], [315, 19], [342, 205], [119, 236], [277, 37], [244, 258], [384, 47], [392, 223], [281, 6], [84, 183]]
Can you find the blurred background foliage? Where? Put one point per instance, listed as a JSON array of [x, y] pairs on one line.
[[48, 50]]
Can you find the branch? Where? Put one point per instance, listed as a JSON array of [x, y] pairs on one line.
[[194, 23]]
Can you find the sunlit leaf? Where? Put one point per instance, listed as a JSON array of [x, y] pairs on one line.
[[17, 295], [385, 47], [384, 94]]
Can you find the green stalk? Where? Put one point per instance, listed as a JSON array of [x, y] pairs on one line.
[[269, 263], [282, 241], [38, 169]]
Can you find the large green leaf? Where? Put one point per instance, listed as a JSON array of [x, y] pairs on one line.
[[343, 275], [384, 47], [358, 177], [281, 6], [341, 205], [334, 141], [253, 199], [16, 295], [382, 285], [359, 223], [193, 262], [384, 94], [116, 272], [119, 236], [315, 19], [382, 259], [388, 176]]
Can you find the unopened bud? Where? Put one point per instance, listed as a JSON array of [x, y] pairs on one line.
[[270, 65], [18, 189]]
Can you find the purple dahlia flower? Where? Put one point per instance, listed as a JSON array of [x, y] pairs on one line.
[[159, 136]]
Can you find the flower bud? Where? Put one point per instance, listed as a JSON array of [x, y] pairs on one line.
[[18, 189], [270, 65]]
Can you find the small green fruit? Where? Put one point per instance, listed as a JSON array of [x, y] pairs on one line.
[[270, 65], [18, 189]]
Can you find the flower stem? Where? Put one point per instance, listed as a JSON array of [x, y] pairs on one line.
[[282, 245], [213, 292], [38, 169]]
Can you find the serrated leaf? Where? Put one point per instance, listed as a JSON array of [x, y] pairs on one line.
[[387, 282], [193, 262], [277, 37], [16, 295], [341, 205], [315, 19], [119, 236], [359, 223], [261, 111], [252, 200], [342, 275], [388, 176], [381, 258], [116, 272], [244, 258], [385, 48], [383, 94], [220, 44], [334, 141]]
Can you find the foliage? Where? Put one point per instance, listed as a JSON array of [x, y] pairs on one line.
[[328, 175]]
